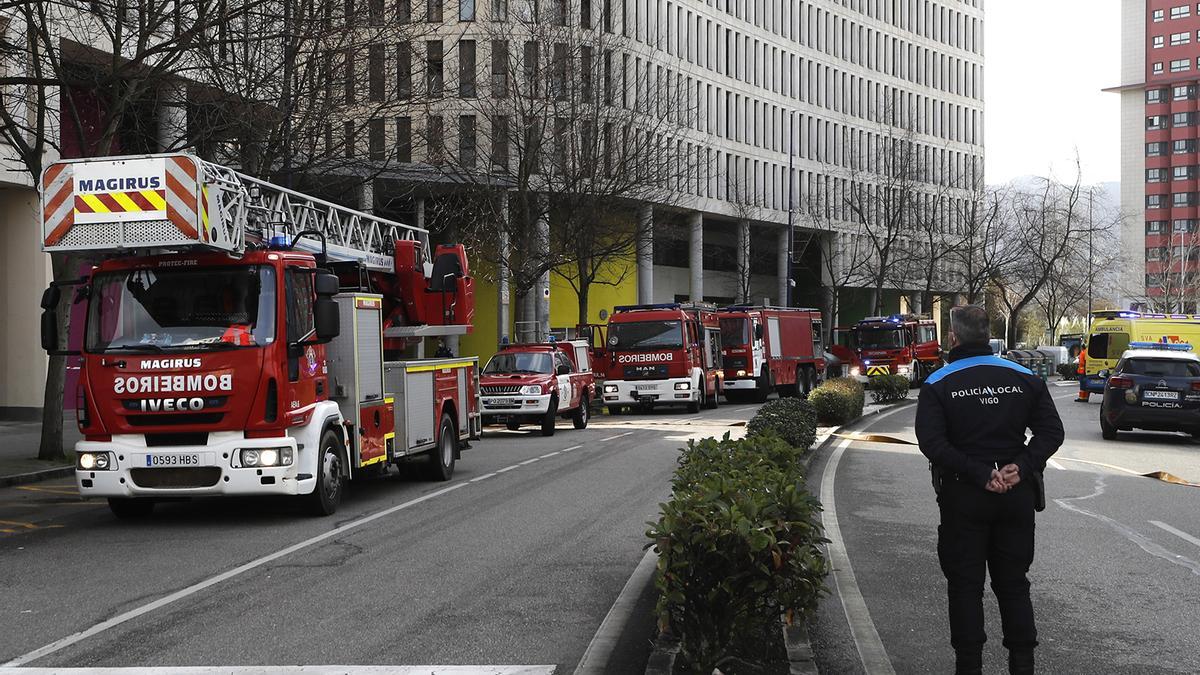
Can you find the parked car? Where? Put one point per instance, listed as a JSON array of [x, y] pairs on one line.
[[537, 384], [1154, 386]]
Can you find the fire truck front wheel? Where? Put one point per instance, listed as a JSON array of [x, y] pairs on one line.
[[129, 508], [440, 465], [583, 414], [327, 494]]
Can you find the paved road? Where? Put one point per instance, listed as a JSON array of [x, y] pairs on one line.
[[515, 561], [1116, 581]]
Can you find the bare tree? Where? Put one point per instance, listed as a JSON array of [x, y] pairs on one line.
[[984, 251], [844, 253]]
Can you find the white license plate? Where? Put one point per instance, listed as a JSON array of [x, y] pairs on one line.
[[502, 401], [646, 387], [174, 459], [1161, 395]]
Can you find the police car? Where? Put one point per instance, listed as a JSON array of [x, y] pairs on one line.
[[1155, 386]]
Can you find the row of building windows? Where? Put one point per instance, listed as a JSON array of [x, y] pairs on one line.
[[1177, 199], [1180, 119], [1182, 146], [1172, 173], [1173, 253], [1182, 92], [1177, 39], [1177, 12], [1177, 225], [1176, 66]]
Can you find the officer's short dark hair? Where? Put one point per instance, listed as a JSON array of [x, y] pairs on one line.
[[969, 323]]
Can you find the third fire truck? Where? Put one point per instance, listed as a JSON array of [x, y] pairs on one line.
[[771, 349], [241, 338], [900, 344], [664, 354]]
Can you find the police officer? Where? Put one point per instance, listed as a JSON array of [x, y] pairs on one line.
[[971, 420]]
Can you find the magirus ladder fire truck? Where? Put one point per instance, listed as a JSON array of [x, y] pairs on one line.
[[241, 338]]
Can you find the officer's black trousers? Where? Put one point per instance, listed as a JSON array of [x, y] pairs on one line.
[[983, 530]]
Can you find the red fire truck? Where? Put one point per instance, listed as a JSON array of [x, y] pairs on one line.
[[236, 335], [539, 383], [900, 344], [666, 354], [771, 349]]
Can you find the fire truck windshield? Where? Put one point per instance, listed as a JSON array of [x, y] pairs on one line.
[[182, 309], [879, 338], [645, 335], [509, 363], [735, 332]]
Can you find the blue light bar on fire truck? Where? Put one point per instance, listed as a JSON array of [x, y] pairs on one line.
[[1164, 346]]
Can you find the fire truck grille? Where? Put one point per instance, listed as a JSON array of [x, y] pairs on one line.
[[502, 389], [173, 420], [645, 372], [177, 477]]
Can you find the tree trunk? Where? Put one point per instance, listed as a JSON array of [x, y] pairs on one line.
[[585, 289]]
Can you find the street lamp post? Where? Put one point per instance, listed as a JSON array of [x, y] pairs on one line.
[[791, 205]]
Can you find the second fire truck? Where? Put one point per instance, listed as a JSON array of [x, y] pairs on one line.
[[664, 354], [771, 349], [241, 338], [900, 344]]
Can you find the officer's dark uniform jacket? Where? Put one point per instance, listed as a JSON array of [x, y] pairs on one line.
[[973, 414]]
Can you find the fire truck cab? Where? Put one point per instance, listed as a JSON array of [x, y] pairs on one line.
[[771, 349], [539, 383], [900, 344], [663, 354], [221, 354]]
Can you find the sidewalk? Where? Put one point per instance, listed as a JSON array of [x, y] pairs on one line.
[[19, 448]]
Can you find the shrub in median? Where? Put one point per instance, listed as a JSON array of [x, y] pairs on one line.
[[1068, 371], [739, 543], [889, 388], [838, 401], [792, 419]]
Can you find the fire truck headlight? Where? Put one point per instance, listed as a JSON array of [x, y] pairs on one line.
[[741, 373], [263, 457], [532, 390], [856, 371], [87, 461], [683, 385], [268, 457], [95, 461], [903, 370], [610, 389], [249, 458]]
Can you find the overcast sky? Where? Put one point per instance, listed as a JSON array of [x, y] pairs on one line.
[[1046, 62]]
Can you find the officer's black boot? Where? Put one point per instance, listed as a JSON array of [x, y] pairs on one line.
[[968, 661], [1020, 662]]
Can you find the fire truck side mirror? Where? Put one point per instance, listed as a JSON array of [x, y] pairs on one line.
[[758, 331], [325, 318], [326, 284], [50, 300]]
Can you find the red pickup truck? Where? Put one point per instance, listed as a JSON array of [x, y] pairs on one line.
[[537, 384]]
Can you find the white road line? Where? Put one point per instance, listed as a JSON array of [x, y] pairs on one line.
[[297, 670], [604, 642], [1053, 464], [1178, 533], [483, 477], [866, 638], [1114, 467], [550, 454], [529, 461], [573, 447], [507, 468], [613, 438]]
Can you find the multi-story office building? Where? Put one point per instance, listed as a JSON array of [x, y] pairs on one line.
[[773, 105], [1160, 73]]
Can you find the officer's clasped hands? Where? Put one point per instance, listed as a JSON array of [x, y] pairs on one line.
[[1004, 479]]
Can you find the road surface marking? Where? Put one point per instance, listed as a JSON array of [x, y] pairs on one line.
[[1140, 540], [1114, 467], [1053, 464], [866, 638], [297, 670], [573, 447], [550, 454], [613, 438], [54, 490], [18, 523], [529, 461], [507, 468], [1178, 533], [483, 477], [604, 643]]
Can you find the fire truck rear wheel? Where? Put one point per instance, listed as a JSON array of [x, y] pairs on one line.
[[551, 417], [440, 462], [582, 414], [327, 495], [695, 406], [130, 508], [711, 402]]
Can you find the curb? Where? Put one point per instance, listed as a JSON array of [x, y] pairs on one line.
[[36, 476], [801, 659]]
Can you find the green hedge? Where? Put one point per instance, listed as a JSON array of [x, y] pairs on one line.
[[792, 419], [1068, 371], [739, 543], [889, 388], [838, 401]]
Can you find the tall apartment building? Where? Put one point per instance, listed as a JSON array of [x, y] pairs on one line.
[[1160, 73], [781, 101]]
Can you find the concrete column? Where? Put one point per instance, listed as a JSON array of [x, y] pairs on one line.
[[696, 256], [419, 214], [541, 299], [743, 261], [645, 255], [783, 267], [503, 313], [366, 197], [172, 117]]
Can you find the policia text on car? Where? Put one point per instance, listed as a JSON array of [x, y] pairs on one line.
[[971, 422]]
